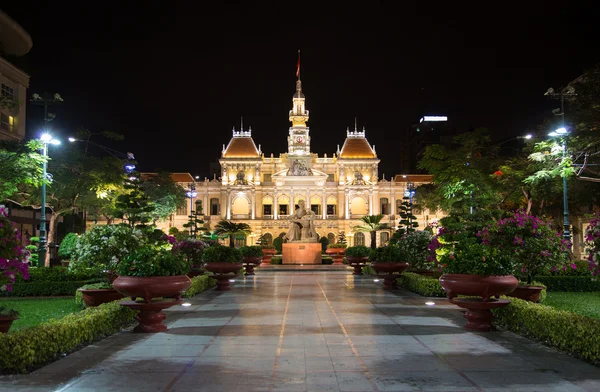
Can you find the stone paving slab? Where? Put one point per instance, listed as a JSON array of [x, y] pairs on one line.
[[312, 331]]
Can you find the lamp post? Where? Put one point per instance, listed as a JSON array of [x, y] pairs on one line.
[[562, 132], [46, 139], [191, 193]]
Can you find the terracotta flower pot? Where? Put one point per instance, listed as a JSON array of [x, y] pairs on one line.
[[478, 285], [149, 287], [250, 263], [527, 293], [337, 254], [223, 271], [268, 254], [387, 269], [95, 297], [6, 322], [357, 263]]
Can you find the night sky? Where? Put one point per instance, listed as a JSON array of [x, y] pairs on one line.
[[175, 77]]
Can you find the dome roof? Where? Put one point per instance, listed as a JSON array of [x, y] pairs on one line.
[[241, 147], [357, 148], [14, 40]]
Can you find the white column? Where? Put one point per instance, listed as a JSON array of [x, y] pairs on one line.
[[228, 203], [324, 205], [275, 205], [370, 202], [346, 206], [253, 204]]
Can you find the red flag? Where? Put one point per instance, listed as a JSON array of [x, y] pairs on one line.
[[298, 66]]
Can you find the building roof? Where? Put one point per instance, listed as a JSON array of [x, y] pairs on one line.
[[357, 148], [14, 40], [413, 178], [241, 147], [177, 177]]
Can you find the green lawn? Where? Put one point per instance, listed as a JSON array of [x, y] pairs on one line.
[[34, 311], [587, 304]]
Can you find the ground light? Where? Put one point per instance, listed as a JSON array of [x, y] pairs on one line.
[[186, 304], [232, 280], [375, 280], [430, 303]]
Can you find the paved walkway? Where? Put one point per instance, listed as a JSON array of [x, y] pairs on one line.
[[312, 331]]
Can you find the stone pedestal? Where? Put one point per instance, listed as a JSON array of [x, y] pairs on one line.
[[301, 253]]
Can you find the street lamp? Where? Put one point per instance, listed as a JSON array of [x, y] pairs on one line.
[[562, 132], [191, 193], [46, 139]]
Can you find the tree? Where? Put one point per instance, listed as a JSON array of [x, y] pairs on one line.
[[408, 222], [196, 221], [371, 224], [164, 194], [342, 238], [20, 165], [232, 229], [134, 205]]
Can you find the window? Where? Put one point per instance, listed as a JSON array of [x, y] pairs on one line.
[[6, 122], [316, 208], [384, 237], [330, 178], [359, 239], [283, 209], [385, 206], [267, 209], [267, 177], [214, 206], [331, 209], [7, 91], [182, 210]]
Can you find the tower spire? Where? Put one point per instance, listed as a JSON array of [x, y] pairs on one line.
[[355, 125], [241, 123], [298, 66]]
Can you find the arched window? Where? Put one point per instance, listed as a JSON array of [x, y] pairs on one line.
[[384, 237], [359, 238]]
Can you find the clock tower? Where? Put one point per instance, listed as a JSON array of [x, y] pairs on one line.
[[299, 140]]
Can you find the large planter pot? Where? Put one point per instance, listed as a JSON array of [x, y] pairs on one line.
[[149, 287], [337, 254], [95, 297], [357, 263], [223, 271], [478, 285], [527, 293], [250, 263], [6, 322], [268, 254], [387, 270]]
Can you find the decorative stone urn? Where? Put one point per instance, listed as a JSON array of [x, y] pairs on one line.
[[223, 271], [479, 316], [527, 293], [357, 263], [96, 297], [268, 253], [250, 263], [387, 269], [337, 254]]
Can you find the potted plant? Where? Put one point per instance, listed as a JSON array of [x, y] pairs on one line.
[[415, 245], [224, 262], [268, 249], [357, 257], [337, 252], [533, 244], [95, 294], [7, 316], [192, 250], [388, 261], [102, 249], [152, 271], [251, 257]]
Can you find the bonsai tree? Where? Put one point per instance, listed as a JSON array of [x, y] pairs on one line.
[[342, 238], [232, 229], [371, 224], [220, 253], [251, 251], [408, 221], [263, 241]]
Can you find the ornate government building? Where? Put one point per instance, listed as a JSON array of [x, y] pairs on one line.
[[264, 190]]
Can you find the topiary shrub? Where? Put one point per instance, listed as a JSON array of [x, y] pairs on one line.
[[324, 242], [278, 244], [67, 246]]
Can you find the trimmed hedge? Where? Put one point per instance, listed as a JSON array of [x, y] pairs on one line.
[[36, 289], [570, 283], [423, 285], [57, 274], [564, 330], [276, 260], [199, 284], [24, 350]]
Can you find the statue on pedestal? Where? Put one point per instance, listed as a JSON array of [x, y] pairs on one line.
[[302, 225]]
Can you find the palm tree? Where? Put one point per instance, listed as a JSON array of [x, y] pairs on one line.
[[232, 229], [371, 223]]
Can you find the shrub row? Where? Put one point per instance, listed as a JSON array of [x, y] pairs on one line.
[[36, 289], [570, 283], [199, 284], [423, 285], [57, 274], [564, 330], [24, 350]]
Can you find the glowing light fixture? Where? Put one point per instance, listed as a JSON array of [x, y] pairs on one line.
[[375, 280], [528, 136], [186, 304], [232, 280], [429, 303], [434, 118]]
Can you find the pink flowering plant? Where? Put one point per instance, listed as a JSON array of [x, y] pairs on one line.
[[192, 250], [532, 242], [592, 245], [14, 257]]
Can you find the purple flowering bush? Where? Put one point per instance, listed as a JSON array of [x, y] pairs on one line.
[[532, 243], [13, 256], [192, 249], [592, 244]]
